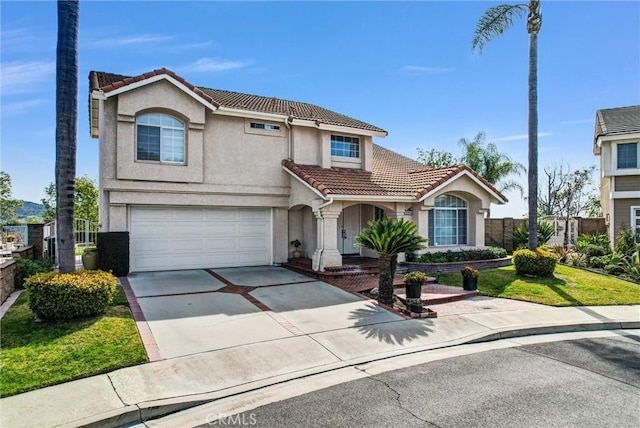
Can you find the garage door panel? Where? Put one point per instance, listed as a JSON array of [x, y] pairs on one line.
[[220, 245], [174, 238], [220, 214], [251, 229], [217, 230]]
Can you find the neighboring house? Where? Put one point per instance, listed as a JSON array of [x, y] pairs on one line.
[[208, 178], [617, 142]]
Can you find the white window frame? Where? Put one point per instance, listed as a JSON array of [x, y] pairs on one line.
[[617, 159], [162, 127], [354, 141], [635, 219], [432, 212]]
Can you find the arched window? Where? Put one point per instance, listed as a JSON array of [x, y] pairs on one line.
[[160, 138], [448, 221]]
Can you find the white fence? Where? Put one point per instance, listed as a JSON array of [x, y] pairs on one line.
[[85, 235], [558, 224]]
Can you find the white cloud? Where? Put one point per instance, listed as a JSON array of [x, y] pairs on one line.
[[520, 137], [205, 65], [12, 109], [192, 46], [20, 76], [418, 69], [136, 39]]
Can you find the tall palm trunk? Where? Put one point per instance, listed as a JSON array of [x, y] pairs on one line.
[[534, 21], [386, 265], [66, 129]]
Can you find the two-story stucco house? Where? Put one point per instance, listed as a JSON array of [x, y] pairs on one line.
[[617, 142], [209, 178]]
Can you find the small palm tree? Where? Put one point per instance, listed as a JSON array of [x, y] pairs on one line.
[[389, 238], [492, 24]]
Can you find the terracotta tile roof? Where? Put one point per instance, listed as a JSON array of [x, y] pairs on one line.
[[392, 175], [620, 120], [107, 82]]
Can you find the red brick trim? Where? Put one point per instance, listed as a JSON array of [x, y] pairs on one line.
[[149, 342]]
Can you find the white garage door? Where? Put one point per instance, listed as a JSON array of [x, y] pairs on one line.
[[172, 238]]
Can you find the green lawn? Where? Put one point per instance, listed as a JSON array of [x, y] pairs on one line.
[[569, 287], [34, 355]]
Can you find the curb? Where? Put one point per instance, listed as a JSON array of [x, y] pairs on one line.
[[146, 411]]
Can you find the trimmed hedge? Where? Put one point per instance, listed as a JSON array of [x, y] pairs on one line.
[[538, 263], [488, 253], [28, 267], [79, 294]]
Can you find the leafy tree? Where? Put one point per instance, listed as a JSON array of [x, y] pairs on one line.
[[568, 194], [389, 238], [85, 200], [435, 158], [7, 203], [492, 24], [487, 161], [66, 129]]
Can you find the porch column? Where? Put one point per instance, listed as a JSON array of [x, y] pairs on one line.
[[479, 229], [326, 253], [421, 217], [398, 214]]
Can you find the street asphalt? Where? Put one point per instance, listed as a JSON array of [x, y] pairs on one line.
[[592, 382]]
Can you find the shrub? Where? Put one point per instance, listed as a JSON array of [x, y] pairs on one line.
[[487, 253], [536, 263], [560, 252], [633, 271], [599, 239], [626, 241], [469, 271], [415, 278], [28, 267], [597, 262], [83, 293], [614, 263], [593, 250], [521, 234], [577, 260]]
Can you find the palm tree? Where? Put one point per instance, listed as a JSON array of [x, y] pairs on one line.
[[389, 238], [487, 161], [66, 129], [493, 23]]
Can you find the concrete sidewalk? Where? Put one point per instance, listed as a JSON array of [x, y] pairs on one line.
[[143, 392]]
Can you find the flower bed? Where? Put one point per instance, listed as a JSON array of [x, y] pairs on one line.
[[455, 266]]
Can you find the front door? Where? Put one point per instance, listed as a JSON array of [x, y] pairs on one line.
[[348, 228]]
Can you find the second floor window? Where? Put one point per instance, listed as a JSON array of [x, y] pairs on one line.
[[348, 147], [160, 138], [628, 156]]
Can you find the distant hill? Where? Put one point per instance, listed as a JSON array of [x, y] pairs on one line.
[[30, 209]]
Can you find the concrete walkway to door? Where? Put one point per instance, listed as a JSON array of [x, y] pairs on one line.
[[189, 312]]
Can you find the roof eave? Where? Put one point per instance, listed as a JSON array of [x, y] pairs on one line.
[[497, 196]]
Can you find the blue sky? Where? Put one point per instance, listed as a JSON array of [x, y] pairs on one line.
[[404, 66]]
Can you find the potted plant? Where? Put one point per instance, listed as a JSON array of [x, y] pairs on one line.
[[90, 258], [469, 278], [296, 254], [413, 282]]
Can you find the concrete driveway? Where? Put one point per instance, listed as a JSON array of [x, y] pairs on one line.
[[189, 312]]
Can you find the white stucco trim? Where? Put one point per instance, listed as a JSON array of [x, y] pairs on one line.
[[365, 198], [228, 111], [346, 129], [472, 177], [158, 78], [625, 195], [313, 189]]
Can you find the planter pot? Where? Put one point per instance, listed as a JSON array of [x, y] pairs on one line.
[[414, 291], [296, 254], [90, 259], [469, 283]]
